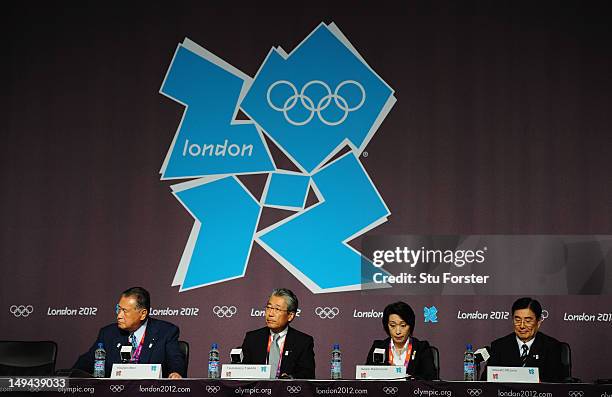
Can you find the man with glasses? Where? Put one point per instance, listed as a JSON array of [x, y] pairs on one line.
[[289, 352], [526, 346], [153, 341]]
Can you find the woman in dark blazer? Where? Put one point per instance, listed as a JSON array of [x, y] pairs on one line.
[[401, 348]]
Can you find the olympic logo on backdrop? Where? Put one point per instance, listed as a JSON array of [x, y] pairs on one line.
[[332, 103], [212, 389], [430, 314], [575, 393], [309, 104], [21, 310], [294, 389], [327, 312], [224, 311], [474, 392], [116, 388], [390, 390]]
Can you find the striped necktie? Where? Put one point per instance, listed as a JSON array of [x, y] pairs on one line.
[[134, 343], [524, 351]]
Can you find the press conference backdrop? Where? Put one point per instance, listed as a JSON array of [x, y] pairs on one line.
[[420, 122]]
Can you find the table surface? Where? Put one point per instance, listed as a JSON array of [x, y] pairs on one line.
[[307, 388]]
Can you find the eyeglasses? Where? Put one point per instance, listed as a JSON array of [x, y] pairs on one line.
[[274, 310], [528, 322]]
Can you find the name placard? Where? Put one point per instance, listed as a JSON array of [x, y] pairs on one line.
[[245, 371], [380, 372], [513, 374], [136, 371]]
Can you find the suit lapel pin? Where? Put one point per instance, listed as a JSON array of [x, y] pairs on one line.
[[413, 354], [286, 352]]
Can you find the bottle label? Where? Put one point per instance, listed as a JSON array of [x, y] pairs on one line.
[[469, 371]]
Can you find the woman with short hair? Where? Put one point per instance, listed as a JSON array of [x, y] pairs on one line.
[[401, 348]]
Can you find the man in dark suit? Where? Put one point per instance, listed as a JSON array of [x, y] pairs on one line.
[[289, 352], [526, 346], [153, 341]]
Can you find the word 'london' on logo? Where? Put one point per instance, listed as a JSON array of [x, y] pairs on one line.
[[311, 107]]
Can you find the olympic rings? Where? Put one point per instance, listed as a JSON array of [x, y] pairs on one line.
[[116, 388], [309, 104], [224, 311], [21, 310], [327, 312]]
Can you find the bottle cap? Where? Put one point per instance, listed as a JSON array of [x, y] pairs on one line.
[[100, 345], [214, 346], [468, 346], [336, 346]]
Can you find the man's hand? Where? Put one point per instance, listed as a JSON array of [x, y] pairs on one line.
[[174, 375]]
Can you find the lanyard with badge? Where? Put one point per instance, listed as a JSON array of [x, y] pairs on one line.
[[408, 353], [136, 354], [280, 358]]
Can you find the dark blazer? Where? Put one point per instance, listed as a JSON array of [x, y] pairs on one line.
[[298, 352], [160, 347], [422, 366], [545, 353]]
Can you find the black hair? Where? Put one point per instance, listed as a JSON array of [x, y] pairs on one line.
[[528, 303], [143, 299], [403, 310]]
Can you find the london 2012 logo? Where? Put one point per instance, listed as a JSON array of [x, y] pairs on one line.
[[320, 105]]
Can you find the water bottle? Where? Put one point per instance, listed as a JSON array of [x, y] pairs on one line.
[[336, 362], [469, 366], [214, 371], [99, 361]]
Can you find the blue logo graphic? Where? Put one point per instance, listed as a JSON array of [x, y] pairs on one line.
[[531, 371], [320, 99], [430, 314]]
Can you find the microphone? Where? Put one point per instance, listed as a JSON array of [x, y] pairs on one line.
[[236, 355], [378, 356], [126, 353]]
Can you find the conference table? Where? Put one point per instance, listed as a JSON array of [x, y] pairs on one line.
[[311, 388]]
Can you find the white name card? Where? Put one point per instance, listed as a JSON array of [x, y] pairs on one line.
[[513, 374], [245, 371], [380, 372], [136, 371]]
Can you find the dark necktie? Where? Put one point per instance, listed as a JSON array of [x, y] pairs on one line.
[[524, 350]]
